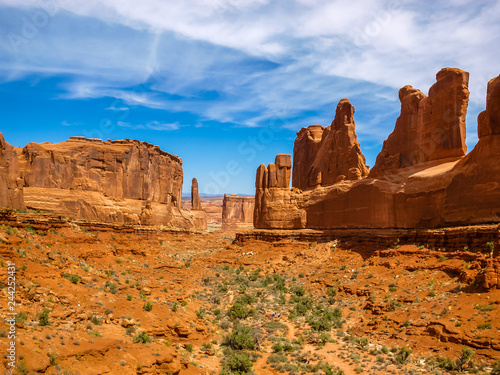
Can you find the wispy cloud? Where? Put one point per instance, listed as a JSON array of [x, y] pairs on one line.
[[152, 125], [243, 61]]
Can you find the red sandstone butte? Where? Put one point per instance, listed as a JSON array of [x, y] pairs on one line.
[[429, 127], [123, 181], [322, 156], [422, 178], [237, 212]]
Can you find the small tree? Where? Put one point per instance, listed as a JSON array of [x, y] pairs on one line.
[[43, 318], [237, 363], [403, 355]]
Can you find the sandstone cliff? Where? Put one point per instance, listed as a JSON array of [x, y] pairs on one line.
[[11, 185], [421, 181], [237, 212], [113, 181], [323, 156], [429, 127]]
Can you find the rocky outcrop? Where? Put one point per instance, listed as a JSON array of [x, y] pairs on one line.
[[11, 185], [418, 182], [275, 204], [429, 127], [124, 181], [305, 150], [195, 196], [117, 169], [324, 156], [237, 212], [489, 120]]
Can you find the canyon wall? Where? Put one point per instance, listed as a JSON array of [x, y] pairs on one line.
[[422, 177], [237, 212], [112, 181], [11, 184]]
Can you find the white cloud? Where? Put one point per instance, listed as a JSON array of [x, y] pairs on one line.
[[323, 50], [152, 125]]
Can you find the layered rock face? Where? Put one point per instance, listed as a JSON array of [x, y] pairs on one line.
[[113, 181], [237, 212], [429, 127], [422, 178], [324, 156], [275, 204], [11, 185], [117, 169]]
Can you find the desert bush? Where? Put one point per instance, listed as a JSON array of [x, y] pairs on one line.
[[21, 318], [402, 356], [241, 338], [485, 307], [239, 311], [496, 368], [142, 337], [43, 318], [237, 364]]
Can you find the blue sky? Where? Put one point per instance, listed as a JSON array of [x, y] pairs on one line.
[[226, 84]]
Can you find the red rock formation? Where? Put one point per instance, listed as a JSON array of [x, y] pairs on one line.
[[237, 212], [439, 189], [489, 120], [325, 156], [275, 206], [117, 169], [11, 185], [429, 128], [195, 196], [305, 149], [114, 181]]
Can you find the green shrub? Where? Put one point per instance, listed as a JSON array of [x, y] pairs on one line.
[[298, 291], [331, 292], [496, 368], [402, 356], [485, 307], [237, 364], [490, 247], [53, 359], [21, 318], [241, 338], [148, 306], [325, 320], [43, 318], [277, 358], [239, 311], [484, 326], [142, 337], [466, 359], [112, 287], [21, 368]]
